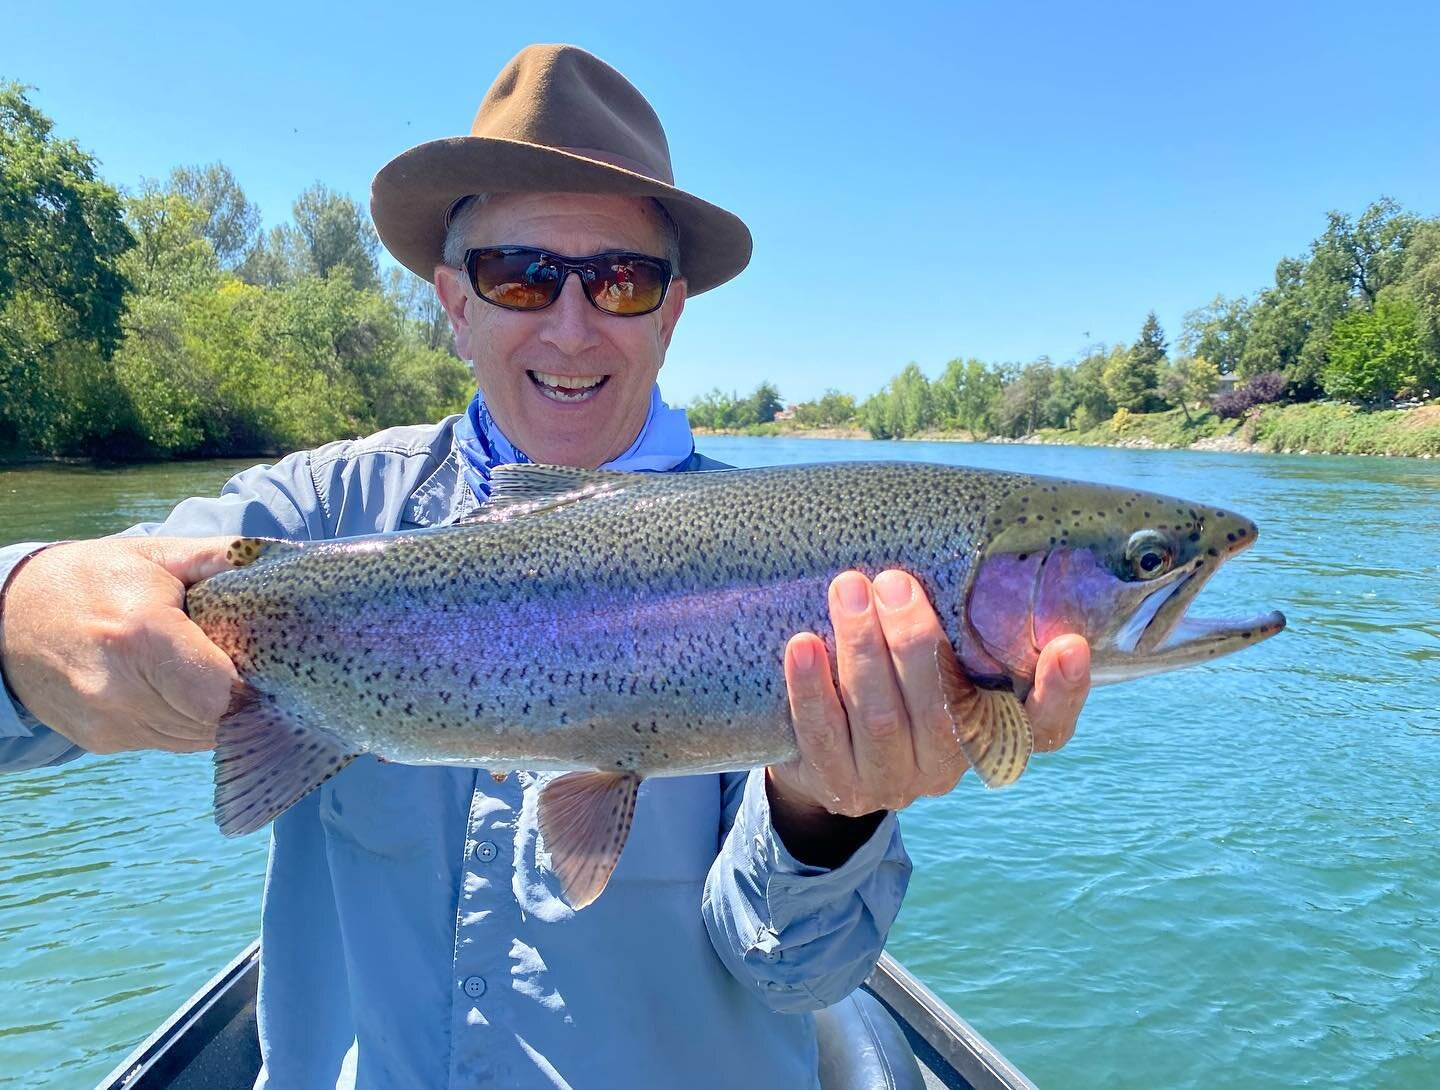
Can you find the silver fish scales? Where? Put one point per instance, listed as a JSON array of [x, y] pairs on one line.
[[629, 625]]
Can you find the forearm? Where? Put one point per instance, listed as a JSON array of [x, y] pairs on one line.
[[25, 742], [800, 936]]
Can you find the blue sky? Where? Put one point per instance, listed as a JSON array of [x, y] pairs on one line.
[[923, 180]]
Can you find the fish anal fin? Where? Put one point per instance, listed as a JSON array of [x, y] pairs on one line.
[[585, 820], [991, 725], [244, 551], [266, 760]]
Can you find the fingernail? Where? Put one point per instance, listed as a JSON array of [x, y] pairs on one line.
[[804, 654], [894, 589], [854, 593], [1073, 666]]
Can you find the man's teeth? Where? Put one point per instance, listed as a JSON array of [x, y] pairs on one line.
[[567, 387]]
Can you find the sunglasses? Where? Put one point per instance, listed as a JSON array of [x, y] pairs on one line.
[[527, 278]]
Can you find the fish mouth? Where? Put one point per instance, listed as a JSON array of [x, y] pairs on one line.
[[1161, 636], [567, 389]]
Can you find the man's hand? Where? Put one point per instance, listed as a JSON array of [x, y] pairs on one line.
[[886, 737], [94, 641]]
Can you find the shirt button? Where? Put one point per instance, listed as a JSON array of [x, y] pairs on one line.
[[485, 851], [474, 986]]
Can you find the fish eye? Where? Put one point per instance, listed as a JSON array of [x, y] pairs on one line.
[[1148, 555]]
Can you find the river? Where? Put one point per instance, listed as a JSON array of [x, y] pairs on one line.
[[1229, 879]]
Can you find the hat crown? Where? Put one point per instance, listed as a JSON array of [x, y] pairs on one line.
[[563, 97]]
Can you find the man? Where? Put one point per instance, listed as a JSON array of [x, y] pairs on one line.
[[413, 934]]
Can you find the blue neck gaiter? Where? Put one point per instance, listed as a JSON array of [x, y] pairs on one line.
[[663, 443]]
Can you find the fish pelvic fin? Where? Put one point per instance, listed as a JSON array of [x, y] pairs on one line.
[[266, 760], [244, 551], [991, 725], [585, 820]]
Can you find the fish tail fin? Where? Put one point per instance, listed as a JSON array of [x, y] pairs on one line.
[[266, 760], [995, 735], [585, 820]]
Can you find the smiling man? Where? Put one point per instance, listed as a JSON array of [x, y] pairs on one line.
[[413, 932]]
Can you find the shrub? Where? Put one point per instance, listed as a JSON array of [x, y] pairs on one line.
[[1263, 389]]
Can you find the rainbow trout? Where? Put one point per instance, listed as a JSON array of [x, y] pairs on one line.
[[622, 625]]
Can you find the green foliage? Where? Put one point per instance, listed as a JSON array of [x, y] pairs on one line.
[[62, 292], [762, 405], [1332, 428], [1131, 378], [967, 396], [1188, 380], [1420, 283], [331, 234], [832, 410], [231, 224], [1217, 332], [730, 412], [1376, 354]]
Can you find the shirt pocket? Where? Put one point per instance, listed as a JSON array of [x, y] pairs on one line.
[[395, 810]]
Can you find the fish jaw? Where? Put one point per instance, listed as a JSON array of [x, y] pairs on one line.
[[1084, 578]]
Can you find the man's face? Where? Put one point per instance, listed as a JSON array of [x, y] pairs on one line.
[[515, 352]]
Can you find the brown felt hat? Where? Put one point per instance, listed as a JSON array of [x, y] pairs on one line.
[[557, 120]]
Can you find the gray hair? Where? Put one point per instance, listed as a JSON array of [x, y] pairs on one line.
[[466, 211]]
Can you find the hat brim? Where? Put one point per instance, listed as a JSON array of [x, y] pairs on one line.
[[413, 193]]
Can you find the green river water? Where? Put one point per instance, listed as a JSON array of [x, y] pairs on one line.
[[1229, 879]]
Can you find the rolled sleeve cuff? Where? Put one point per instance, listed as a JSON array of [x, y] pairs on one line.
[[805, 936], [25, 742]]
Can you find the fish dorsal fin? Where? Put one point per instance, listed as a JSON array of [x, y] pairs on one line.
[[244, 551], [585, 820], [517, 490]]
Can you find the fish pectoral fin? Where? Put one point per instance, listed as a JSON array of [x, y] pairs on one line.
[[517, 490], [244, 551], [585, 820], [991, 725], [266, 760]]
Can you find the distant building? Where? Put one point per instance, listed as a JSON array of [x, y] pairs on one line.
[[787, 413], [1227, 383]]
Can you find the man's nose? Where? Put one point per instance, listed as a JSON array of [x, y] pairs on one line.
[[571, 323]]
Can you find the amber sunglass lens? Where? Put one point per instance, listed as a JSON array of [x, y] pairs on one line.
[[626, 283], [521, 280]]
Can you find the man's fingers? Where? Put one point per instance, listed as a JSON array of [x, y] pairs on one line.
[[815, 711], [1062, 682], [874, 706], [190, 673], [188, 559], [915, 636]]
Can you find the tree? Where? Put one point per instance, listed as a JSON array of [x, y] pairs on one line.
[[1365, 256], [762, 404], [1189, 379], [1131, 378], [62, 292], [231, 223], [1217, 332], [1375, 354], [1420, 281], [967, 396], [172, 254], [1093, 405], [337, 235], [1279, 326], [416, 299]]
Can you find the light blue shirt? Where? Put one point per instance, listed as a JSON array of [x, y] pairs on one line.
[[412, 936]]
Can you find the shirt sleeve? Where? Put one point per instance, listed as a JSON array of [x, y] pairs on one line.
[[264, 501], [801, 937]]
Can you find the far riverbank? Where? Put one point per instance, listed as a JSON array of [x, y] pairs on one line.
[[1317, 427]]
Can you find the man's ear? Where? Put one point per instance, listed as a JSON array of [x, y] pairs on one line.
[[671, 310], [454, 293]]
